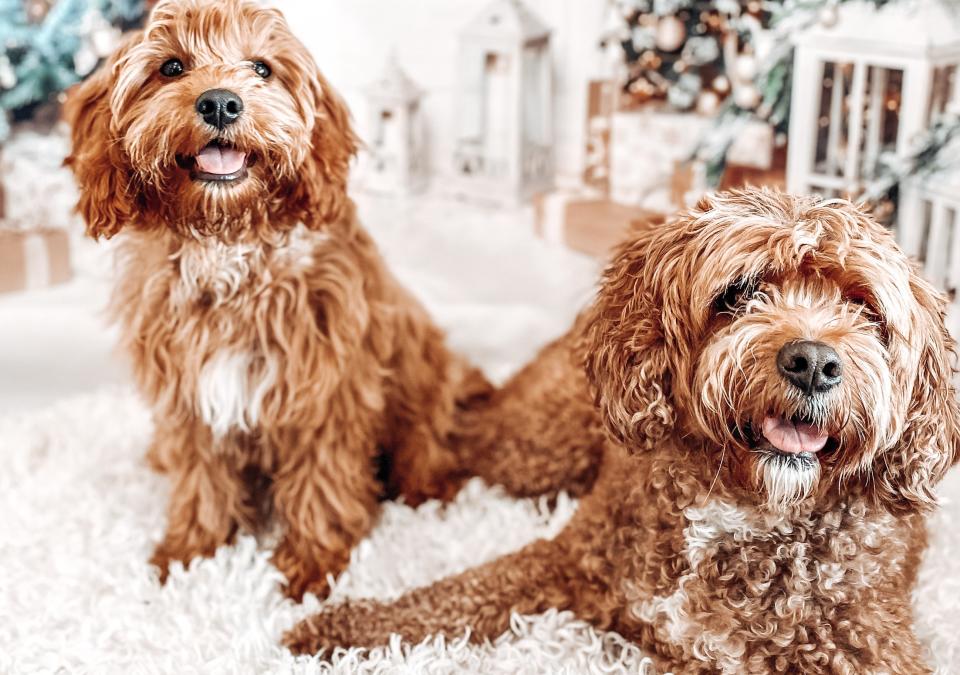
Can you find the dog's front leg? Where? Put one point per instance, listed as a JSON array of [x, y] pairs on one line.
[[325, 494], [207, 501], [480, 601]]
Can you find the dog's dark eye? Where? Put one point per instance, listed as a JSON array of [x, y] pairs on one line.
[[172, 68], [261, 69], [869, 310], [734, 295]]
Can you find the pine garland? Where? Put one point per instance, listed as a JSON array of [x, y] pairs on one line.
[[39, 57], [935, 151]]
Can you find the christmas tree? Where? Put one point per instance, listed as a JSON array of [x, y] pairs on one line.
[[692, 53], [49, 45], [732, 59]]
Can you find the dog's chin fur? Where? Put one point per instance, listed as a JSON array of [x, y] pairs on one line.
[[786, 479], [700, 540], [281, 358]]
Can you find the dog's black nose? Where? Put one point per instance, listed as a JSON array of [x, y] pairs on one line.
[[811, 366], [219, 107]]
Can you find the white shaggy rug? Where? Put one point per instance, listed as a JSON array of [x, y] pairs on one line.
[[80, 512]]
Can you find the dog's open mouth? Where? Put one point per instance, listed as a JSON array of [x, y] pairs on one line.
[[793, 436], [218, 162], [796, 436]]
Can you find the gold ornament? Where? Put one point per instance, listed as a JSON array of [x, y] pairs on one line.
[[747, 96], [641, 90], [708, 102], [670, 33], [746, 68], [37, 10], [650, 59], [828, 15]]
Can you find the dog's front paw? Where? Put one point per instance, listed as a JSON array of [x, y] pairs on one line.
[[354, 623], [302, 582], [444, 489], [168, 552], [163, 556], [306, 571], [161, 560], [308, 637]]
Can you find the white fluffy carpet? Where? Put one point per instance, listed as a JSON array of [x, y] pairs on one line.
[[81, 511]]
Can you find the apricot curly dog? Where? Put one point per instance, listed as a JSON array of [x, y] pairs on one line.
[[775, 381], [279, 354]]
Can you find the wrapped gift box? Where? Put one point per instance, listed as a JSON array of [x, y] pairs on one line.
[[601, 99], [585, 221], [33, 258], [753, 148], [650, 157], [774, 175], [645, 146], [40, 191]]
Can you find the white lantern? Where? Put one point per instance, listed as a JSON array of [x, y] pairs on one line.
[[928, 229], [395, 160], [504, 146], [867, 83]]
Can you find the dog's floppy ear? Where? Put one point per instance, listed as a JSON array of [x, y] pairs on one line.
[[322, 185], [626, 354], [97, 158], [930, 443]]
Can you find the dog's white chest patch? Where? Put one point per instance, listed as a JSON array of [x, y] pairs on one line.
[[230, 391], [217, 268], [678, 616], [671, 614], [223, 270]]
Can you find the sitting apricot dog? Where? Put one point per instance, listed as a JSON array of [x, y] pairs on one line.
[[775, 381], [278, 352]]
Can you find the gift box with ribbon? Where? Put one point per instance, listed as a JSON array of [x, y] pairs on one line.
[[586, 221], [33, 258]]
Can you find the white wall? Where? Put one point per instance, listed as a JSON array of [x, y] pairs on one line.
[[351, 40]]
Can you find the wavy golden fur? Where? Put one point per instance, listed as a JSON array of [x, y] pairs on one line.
[[684, 543], [279, 354]]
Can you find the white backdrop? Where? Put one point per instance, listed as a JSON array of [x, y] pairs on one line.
[[351, 40]]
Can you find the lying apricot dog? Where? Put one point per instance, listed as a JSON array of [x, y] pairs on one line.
[[775, 382]]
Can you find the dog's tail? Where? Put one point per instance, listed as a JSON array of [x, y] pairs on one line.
[[540, 433], [480, 600]]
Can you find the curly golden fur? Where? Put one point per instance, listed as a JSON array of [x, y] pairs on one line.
[[279, 354], [688, 542]]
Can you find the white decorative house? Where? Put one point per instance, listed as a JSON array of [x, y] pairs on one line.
[[504, 146], [396, 159], [867, 81]]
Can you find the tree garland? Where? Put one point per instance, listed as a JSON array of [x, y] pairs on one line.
[[49, 45], [927, 157]]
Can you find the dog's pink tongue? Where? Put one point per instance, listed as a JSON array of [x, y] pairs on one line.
[[793, 438], [220, 161]]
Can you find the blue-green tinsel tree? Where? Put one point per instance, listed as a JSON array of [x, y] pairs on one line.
[[37, 60]]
